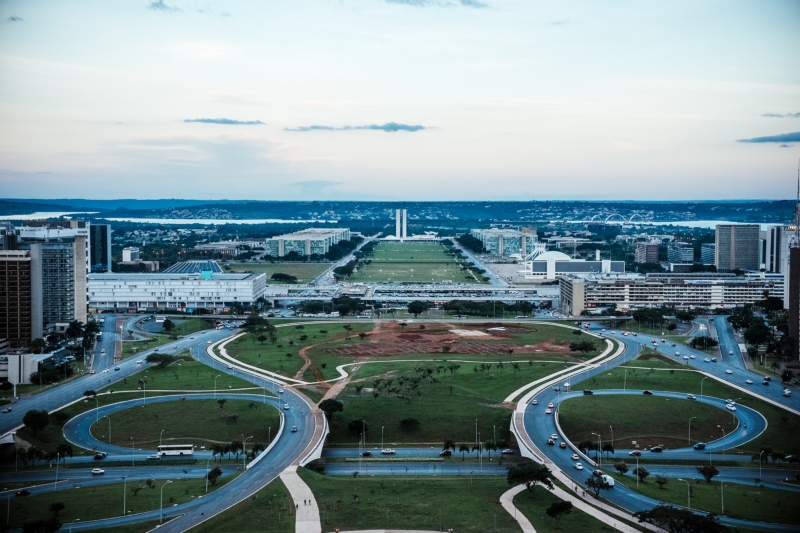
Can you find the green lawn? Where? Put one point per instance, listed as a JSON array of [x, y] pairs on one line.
[[633, 419], [199, 422], [182, 328], [304, 272], [782, 425], [534, 507], [445, 410], [747, 502], [414, 262], [429, 504], [270, 509], [105, 501]]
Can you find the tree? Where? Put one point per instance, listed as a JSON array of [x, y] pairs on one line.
[[582, 346], [36, 420], [661, 481], [261, 339], [463, 448], [708, 472], [703, 342], [409, 424], [359, 427], [221, 402], [757, 335], [255, 324], [449, 444], [641, 472], [74, 329], [417, 307], [677, 520], [38, 345], [608, 447], [42, 526], [530, 474], [162, 359], [598, 483], [57, 507], [622, 468], [557, 510], [168, 325], [214, 474], [331, 406]]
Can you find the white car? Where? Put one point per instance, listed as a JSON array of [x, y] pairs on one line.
[[554, 436], [280, 391], [551, 405], [191, 337], [548, 411], [138, 361], [707, 360], [286, 406], [534, 402], [730, 407], [103, 351], [686, 357], [96, 471], [387, 451], [677, 353], [749, 381], [691, 357], [575, 457], [578, 466], [729, 371]]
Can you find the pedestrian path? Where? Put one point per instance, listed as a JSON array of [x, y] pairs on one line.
[[307, 512], [507, 501]]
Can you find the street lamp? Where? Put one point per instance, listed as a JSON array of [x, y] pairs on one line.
[[207, 472], [612, 435], [701, 385], [688, 493], [215, 387], [109, 427], [124, 484], [690, 430], [244, 452], [159, 438], [133, 457], [55, 485], [722, 483], [381, 437], [759, 463], [599, 457], [96, 408], [70, 524], [161, 512]]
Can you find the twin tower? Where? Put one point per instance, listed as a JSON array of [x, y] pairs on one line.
[[400, 223]]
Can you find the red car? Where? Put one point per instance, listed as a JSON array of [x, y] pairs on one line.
[[562, 445]]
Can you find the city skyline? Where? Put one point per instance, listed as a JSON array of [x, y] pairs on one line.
[[383, 100]]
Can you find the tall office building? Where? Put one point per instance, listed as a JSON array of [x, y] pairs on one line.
[[708, 253], [794, 301], [680, 252], [646, 253], [15, 297], [50, 231], [58, 285], [737, 246], [400, 223], [100, 248]]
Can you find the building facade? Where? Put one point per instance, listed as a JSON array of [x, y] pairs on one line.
[[100, 248], [646, 253], [313, 241], [737, 247], [680, 252], [15, 297], [504, 242], [130, 254], [708, 253]]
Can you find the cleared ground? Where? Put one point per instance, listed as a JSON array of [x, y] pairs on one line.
[[304, 272], [414, 262]]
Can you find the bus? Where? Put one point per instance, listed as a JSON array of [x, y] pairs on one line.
[[175, 449], [160, 319]]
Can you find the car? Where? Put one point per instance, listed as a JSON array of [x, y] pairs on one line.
[[551, 442], [707, 360], [507, 451], [562, 445], [534, 402], [588, 392], [730, 402], [138, 361], [677, 353], [603, 330], [657, 449], [103, 351], [98, 471], [692, 357], [116, 368], [691, 397], [548, 411], [730, 407], [635, 334], [551, 405], [556, 389], [99, 456], [7, 410], [445, 453], [663, 340], [208, 342], [191, 337], [713, 359], [612, 331], [598, 473], [578, 466], [366, 454], [673, 344], [286, 406], [649, 393], [230, 367], [749, 381], [105, 371], [575, 457], [280, 391], [787, 393], [700, 446], [554, 436], [765, 382], [635, 453], [294, 429], [729, 371], [23, 492], [686, 357], [730, 352], [767, 378], [388, 451]]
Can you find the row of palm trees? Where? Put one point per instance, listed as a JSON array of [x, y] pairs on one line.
[[489, 446], [218, 450], [33, 454], [87, 331]]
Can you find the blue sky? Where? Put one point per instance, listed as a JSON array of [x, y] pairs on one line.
[[402, 99]]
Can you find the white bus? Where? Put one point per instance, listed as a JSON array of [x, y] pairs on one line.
[[175, 449], [160, 319]]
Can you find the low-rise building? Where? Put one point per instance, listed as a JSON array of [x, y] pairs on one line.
[[312, 241], [646, 252], [680, 252], [503, 242]]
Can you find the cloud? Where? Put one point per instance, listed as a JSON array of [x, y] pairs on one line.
[[440, 3], [389, 127], [159, 5], [14, 18], [315, 186], [226, 121], [782, 138], [786, 146], [781, 115]]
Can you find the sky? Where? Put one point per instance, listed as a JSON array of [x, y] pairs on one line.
[[399, 99]]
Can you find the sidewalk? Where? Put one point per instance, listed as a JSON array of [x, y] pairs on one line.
[[307, 517], [507, 501]]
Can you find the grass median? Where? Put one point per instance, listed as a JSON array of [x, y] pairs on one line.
[[304, 272]]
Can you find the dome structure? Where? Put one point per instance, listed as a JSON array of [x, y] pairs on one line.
[[552, 255]]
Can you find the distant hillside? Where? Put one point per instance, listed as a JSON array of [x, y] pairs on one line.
[[22, 207], [123, 203]]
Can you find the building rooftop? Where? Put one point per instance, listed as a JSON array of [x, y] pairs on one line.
[[193, 267]]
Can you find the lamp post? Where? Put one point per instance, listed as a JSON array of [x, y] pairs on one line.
[[124, 494], [637, 472], [244, 452], [688, 493], [109, 427], [58, 457], [381, 437], [133, 458], [625, 383], [722, 483], [215, 387], [599, 457], [159, 438], [96, 408], [476, 431], [759, 463], [701, 385], [612, 435], [70, 524], [161, 512], [207, 472], [690, 430]]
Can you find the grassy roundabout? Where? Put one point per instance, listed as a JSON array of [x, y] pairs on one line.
[[198, 422], [748, 502], [782, 426], [412, 262], [105, 501], [632, 418]]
